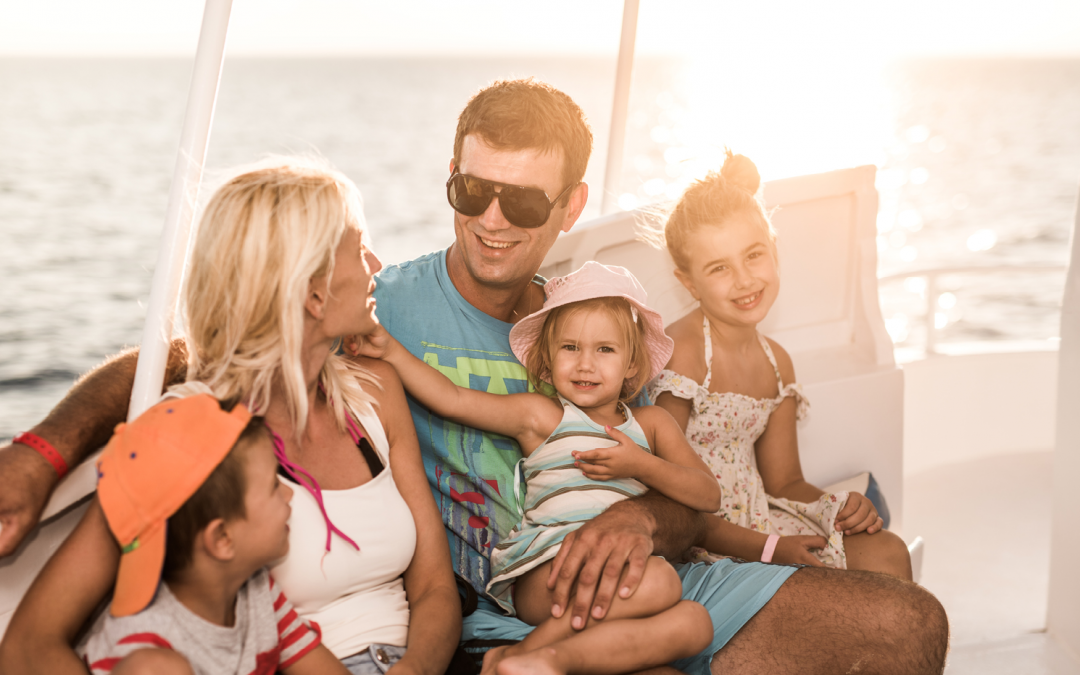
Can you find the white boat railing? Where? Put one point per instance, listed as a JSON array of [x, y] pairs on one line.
[[933, 295]]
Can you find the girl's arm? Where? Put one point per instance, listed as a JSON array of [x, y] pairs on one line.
[[528, 418], [688, 360], [434, 604], [726, 538], [674, 470], [777, 452], [68, 589]]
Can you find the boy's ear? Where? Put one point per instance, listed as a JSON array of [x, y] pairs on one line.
[[216, 541], [685, 281]]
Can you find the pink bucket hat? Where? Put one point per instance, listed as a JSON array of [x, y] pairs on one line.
[[594, 280]]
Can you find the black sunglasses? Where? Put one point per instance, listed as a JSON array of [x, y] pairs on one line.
[[521, 206]]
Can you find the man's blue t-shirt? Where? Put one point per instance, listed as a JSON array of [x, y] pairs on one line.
[[471, 472]]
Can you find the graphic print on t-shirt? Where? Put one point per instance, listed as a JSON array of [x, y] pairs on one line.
[[474, 470]]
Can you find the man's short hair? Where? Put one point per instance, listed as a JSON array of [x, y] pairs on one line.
[[220, 496], [525, 114]]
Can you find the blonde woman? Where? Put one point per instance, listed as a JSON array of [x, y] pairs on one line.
[[279, 273]]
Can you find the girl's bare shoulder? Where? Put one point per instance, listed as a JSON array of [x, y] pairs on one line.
[[783, 361], [688, 359]]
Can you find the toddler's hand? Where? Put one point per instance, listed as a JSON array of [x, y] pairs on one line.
[[375, 344], [857, 515], [619, 461], [795, 550]]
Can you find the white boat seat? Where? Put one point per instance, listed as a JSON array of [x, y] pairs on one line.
[[827, 317]]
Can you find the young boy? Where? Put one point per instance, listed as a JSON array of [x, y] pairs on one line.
[[212, 474]]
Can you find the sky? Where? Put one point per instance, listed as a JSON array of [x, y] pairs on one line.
[[878, 29]]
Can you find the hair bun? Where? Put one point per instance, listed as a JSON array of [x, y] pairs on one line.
[[740, 171]]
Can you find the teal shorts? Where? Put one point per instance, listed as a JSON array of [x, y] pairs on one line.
[[731, 591]]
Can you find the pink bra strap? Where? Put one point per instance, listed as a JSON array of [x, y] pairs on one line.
[[305, 479]]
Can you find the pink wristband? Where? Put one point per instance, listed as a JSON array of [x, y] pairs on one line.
[[770, 547]]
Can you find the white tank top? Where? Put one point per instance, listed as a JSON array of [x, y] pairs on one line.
[[356, 597]]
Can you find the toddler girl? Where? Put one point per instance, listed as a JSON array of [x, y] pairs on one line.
[[595, 343], [733, 391]]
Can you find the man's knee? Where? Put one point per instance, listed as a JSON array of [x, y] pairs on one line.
[[921, 621], [153, 662]]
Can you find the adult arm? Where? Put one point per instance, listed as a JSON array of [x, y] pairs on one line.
[[61, 599], [434, 604], [622, 537], [777, 453], [82, 422]]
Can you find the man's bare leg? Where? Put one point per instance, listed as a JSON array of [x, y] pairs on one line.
[[879, 552], [620, 646], [834, 621]]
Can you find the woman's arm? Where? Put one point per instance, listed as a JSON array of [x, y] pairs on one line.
[[61, 599], [434, 604], [674, 471], [528, 418]]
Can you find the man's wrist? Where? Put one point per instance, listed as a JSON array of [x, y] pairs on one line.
[[33, 465]]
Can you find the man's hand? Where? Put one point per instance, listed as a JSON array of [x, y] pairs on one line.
[[857, 515], [28, 481], [607, 552], [619, 461], [795, 550]]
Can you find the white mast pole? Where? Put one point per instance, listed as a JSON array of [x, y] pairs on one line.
[[176, 235], [617, 138]]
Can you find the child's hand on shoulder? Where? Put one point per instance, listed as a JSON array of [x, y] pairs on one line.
[[795, 550], [857, 515], [620, 461], [374, 345]]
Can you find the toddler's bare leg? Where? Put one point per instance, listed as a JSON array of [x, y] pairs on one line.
[[620, 646], [660, 589], [879, 552]]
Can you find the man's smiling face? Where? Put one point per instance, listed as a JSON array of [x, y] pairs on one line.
[[495, 253]]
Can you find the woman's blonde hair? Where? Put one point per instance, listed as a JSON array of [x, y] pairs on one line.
[[714, 200], [541, 357], [264, 235]]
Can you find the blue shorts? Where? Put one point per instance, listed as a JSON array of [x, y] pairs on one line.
[[731, 591]]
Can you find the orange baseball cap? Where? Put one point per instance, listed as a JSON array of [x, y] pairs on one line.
[[150, 467]]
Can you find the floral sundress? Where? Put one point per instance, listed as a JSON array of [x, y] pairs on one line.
[[723, 428]]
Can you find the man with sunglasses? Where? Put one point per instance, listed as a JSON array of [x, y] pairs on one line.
[[520, 154], [515, 182]]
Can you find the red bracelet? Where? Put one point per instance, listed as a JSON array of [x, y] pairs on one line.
[[45, 449]]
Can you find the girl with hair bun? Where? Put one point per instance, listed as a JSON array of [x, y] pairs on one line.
[[733, 391]]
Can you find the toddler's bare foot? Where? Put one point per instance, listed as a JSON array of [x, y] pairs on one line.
[[537, 662]]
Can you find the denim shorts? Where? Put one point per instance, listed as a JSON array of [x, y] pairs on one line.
[[375, 660]]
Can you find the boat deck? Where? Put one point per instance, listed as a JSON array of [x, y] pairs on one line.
[[987, 559]]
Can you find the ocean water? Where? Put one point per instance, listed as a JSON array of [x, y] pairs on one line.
[[979, 164]]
